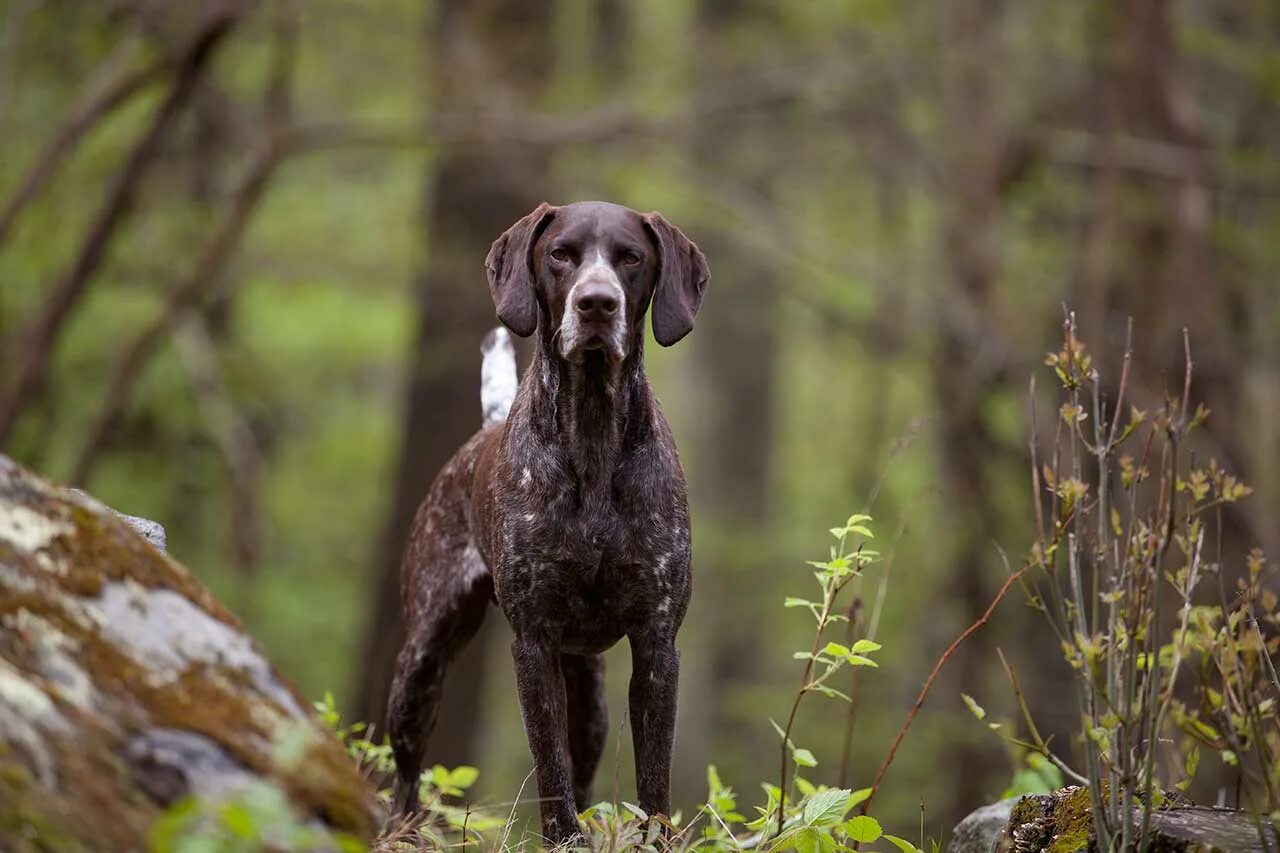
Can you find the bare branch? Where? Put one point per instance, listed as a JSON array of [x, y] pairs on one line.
[[112, 85], [36, 341], [212, 261], [605, 124], [277, 104]]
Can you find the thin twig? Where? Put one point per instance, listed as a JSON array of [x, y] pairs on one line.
[[928, 683], [1041, 745], [234, 439], [506, 830]]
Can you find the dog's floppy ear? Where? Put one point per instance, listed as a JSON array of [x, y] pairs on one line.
[[682, 280], [510, 270]]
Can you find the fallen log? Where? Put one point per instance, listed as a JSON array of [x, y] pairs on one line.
[[1062, 822]]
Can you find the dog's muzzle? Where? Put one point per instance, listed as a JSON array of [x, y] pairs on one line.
[[595, 314]]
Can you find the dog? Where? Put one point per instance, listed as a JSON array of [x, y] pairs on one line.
[[568, 508]]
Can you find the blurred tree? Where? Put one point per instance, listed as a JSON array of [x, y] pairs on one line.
[[731, 366], [477, 51], [968, 364], [896, 199], [200, 35]]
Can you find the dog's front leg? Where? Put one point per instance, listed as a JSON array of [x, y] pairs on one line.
[[542, 704], [655, 672]]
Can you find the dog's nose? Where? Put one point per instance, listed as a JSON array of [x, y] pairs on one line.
[[596, 300]]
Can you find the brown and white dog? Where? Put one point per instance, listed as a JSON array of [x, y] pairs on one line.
[[571, 513]]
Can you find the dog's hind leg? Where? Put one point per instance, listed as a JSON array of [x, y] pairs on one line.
[[588, 719], [450, 594]]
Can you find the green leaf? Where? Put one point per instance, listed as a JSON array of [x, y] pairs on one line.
[[804, 757], [857, 518], [464, 776], [807, 841], [837, 649], [902, 844], [862, 828], [792, 601], [974, 708], [863, 647], [826, 807], [859, 660], [861, 531], [237, 819], [1027, 782], [636, 810], [857, 797], [831, 692]]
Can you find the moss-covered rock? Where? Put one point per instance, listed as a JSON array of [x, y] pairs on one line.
[[125, 686]]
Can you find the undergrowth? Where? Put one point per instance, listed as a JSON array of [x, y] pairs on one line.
[[795, 813], [1128, 523]]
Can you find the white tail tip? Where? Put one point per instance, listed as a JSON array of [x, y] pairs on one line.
[[498, 379]]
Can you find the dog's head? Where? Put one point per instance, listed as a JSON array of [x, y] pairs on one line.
[[587, 272]]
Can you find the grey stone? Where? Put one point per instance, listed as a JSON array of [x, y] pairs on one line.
[[125, 685], [980, 832], [152, 531]]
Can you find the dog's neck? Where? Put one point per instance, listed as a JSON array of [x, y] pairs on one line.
[[592, 408]]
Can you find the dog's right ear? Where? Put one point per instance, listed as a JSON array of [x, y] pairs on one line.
[[510, 270]]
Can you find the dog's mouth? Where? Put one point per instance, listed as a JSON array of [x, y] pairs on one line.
[[607, 343]]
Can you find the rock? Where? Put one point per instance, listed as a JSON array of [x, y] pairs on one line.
[[124, 686], [152, 531], [982, 830], [1061, 822]]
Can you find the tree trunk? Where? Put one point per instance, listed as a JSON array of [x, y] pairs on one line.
[[962, 367], [731, 364], [470, 196]]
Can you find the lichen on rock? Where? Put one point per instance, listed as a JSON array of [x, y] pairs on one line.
[[124, 686]]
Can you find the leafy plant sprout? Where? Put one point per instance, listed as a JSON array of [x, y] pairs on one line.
[[833, 575], [1125, 531]]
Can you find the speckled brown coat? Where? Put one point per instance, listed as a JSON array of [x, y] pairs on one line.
[[571, 515]]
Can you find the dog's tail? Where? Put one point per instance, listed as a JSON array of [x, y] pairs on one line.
[[498, 380]]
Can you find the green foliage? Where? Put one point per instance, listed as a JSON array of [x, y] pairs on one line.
[[1037, 776], [373, 757], [813, 818], [255, 819], [1110, 552], [861, 283]]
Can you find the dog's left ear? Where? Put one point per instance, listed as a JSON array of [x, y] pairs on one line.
[[509, 266], [682, 280]]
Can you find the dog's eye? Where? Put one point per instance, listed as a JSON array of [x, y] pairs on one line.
[[561, 255], [630, 259]]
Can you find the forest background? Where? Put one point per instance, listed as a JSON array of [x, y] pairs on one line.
[[241, 292]]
